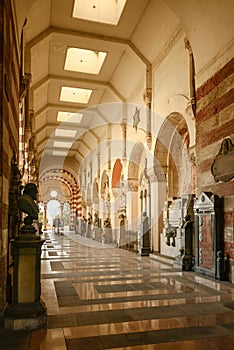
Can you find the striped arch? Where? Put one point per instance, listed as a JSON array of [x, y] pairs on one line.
[[69, 180]]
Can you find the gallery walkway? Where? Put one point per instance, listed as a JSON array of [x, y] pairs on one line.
[[100, 297]]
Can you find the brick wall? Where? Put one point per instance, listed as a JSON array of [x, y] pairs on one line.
[[9, 117], [214, 122]]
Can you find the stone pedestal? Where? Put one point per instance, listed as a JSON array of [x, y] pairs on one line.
[[107, 235], [98, 234], [144, 247], [183, 263], [27, 310]]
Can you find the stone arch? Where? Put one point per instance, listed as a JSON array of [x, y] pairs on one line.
[[171, 156], [136, 161], [64, 178], [104, 190]]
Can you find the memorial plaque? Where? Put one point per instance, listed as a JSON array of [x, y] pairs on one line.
[[223, 166]]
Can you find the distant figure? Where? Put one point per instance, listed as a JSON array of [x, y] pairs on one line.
[[26, 203]]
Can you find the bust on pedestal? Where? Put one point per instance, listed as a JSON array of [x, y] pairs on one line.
[[27, 310], [107, 231]]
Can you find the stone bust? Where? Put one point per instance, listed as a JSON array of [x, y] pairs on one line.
[[26, 203]]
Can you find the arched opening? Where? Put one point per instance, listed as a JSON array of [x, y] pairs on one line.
[[174, 169], [116, 175], [135, 169], [171, 156]]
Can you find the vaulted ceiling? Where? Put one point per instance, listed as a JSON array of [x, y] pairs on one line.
[[140, 37]]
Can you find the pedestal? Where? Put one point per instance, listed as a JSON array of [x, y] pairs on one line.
[[98, 234], [183, 263], [27, 310], [145, 240], [107, 234]]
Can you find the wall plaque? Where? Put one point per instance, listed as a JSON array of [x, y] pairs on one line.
[[223, 166]]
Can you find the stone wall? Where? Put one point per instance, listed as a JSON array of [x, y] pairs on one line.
[[9, 116], [214, 122]]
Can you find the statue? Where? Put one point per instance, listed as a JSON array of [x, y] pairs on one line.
[[187, 222], [107, 223], [26, 203], [96, 220], [145, 230], [122, 220]]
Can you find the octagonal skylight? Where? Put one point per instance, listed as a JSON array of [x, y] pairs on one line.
[[84, 61], [102, 11], [69, 117], [65, 132], [76, 95], [59, 153], [62, 144]]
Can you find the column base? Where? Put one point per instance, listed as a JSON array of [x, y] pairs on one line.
[[20, 316], [144, 251]]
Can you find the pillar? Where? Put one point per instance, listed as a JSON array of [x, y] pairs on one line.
[[45, 217], [27, 310]]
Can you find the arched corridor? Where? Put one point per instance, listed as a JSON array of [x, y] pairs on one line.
[[99, 297], [117, 173]]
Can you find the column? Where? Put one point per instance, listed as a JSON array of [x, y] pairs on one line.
[[45, 216]]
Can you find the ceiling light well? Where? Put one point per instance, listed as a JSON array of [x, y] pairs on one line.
[[69, 117], [101, 11], [84, 61], [75, 95]]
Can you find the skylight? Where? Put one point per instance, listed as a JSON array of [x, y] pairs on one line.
[[84, 61], [69, 117], [102, 11], [62, 144], [65, 133], [76, 95], [59, 153]]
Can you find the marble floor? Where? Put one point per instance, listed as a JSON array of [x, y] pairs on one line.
[[100, 297]]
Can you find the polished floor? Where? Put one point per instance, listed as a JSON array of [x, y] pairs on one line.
[[100, 297]]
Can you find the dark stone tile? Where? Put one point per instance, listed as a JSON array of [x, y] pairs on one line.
[[65, 292], [61, 321], [193, 332], [129, 287], [156, 337], [56, 266], [93, 343], [101, 317], [69, 301], [52, 253], [135, 339], [63, 284]]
